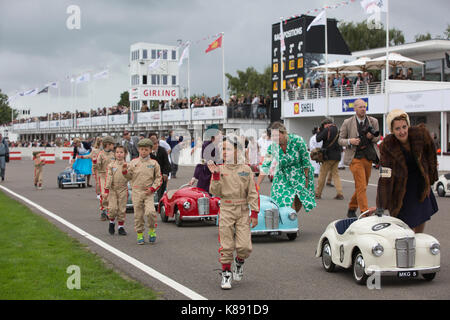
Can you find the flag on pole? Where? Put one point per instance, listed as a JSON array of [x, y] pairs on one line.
[[372, 6], [45, 90], [320, 20], [214, 45], [31, 92], [102, 74], [184, 55], [154, 65], [283, 44], [52, 84], [83, 78]]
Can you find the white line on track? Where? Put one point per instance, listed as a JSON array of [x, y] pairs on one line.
[[136, 263]]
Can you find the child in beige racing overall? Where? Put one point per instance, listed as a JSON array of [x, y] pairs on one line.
[[38, 169], [233, 183], [116, 190], [101, 163], [146, 179]]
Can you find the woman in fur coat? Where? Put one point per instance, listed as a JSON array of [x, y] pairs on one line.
[[409, 169]]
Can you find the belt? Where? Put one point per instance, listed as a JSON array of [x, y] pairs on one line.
[[233, 201]]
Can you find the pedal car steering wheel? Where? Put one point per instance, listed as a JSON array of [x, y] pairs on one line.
[[368, 212]]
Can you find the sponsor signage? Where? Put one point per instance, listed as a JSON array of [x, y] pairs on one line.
[[146, 117], [208, 113], [305, 108], [420, 101], [153, 93], [348, 104]]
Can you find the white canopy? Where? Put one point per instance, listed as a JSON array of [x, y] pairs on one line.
[[395, 60]]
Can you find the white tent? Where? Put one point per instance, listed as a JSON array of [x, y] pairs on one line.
[[395, 60]]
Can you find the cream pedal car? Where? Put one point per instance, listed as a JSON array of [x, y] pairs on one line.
[[378, 243], [442, 186]]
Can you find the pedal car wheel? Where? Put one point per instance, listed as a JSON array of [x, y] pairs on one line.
[[440, 190], [327, 263], [429, 276], [162, 213], [178, 220], [292, 236], [359, 273]]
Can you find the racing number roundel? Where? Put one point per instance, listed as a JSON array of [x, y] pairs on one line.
[[380, 226]]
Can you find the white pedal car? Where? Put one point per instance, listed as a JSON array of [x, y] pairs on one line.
[[378, 243], [442, 186]]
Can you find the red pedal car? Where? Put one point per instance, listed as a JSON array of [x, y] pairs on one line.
[[188, 204]]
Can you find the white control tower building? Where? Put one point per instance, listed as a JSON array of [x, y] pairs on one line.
[[155, 83]]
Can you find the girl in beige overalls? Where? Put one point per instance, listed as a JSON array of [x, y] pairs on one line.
[[233, 183], [38, 168], [116, 190]]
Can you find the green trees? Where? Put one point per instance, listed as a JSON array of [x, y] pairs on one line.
[[5, 109], [360, 37], [124, 99], [250, 81]]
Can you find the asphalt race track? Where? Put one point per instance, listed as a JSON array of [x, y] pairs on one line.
[[278, 269]]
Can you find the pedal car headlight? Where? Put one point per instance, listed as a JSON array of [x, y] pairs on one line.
[[218, 203], [292, 216], [377, 250], [435, 248], [187, 205]]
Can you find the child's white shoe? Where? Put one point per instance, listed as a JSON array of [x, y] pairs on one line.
[[227, 277], [238, 271]]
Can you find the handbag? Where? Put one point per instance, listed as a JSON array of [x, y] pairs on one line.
[[319, 154]]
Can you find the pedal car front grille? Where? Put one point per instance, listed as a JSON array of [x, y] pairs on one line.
[[271, 217], [73, 177], [406, 252], [203, 206]]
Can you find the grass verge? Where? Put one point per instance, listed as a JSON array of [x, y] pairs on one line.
[[35, 256]]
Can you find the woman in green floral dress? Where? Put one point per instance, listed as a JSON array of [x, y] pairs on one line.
[[293, 181]]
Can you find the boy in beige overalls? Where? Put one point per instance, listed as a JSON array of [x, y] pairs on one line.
[[145, 176], [233, 183], [101, 163], [116, 190], [38, 169]]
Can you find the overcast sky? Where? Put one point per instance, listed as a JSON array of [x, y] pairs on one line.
[[36, 47]]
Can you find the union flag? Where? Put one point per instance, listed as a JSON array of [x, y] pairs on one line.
[[215, 44]]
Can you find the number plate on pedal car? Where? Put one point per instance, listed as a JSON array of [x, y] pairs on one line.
[[275, 233], [407, 274]]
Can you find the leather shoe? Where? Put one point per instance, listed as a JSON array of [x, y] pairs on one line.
[[351, 213], [339, 197]]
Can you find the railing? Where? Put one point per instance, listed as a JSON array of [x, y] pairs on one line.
[[141, 118], [334, 92]]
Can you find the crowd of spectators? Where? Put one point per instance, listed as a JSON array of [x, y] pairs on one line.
[[194, 102], [339, 84], [249, 106], [58, 142]]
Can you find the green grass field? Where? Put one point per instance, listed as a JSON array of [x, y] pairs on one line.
[[35, 255]]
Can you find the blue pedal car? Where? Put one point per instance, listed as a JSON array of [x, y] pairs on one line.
[[69, 178], [275, 221]]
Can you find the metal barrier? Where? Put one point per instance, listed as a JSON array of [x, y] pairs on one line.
[[340, 91]]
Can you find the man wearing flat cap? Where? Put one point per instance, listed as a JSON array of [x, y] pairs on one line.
[[130, 143]]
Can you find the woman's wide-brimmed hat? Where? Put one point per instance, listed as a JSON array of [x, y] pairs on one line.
[[395, 114]]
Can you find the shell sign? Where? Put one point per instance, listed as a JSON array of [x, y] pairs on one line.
[[296, 108]]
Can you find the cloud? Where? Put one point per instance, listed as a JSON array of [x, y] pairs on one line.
[[36, 46]]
